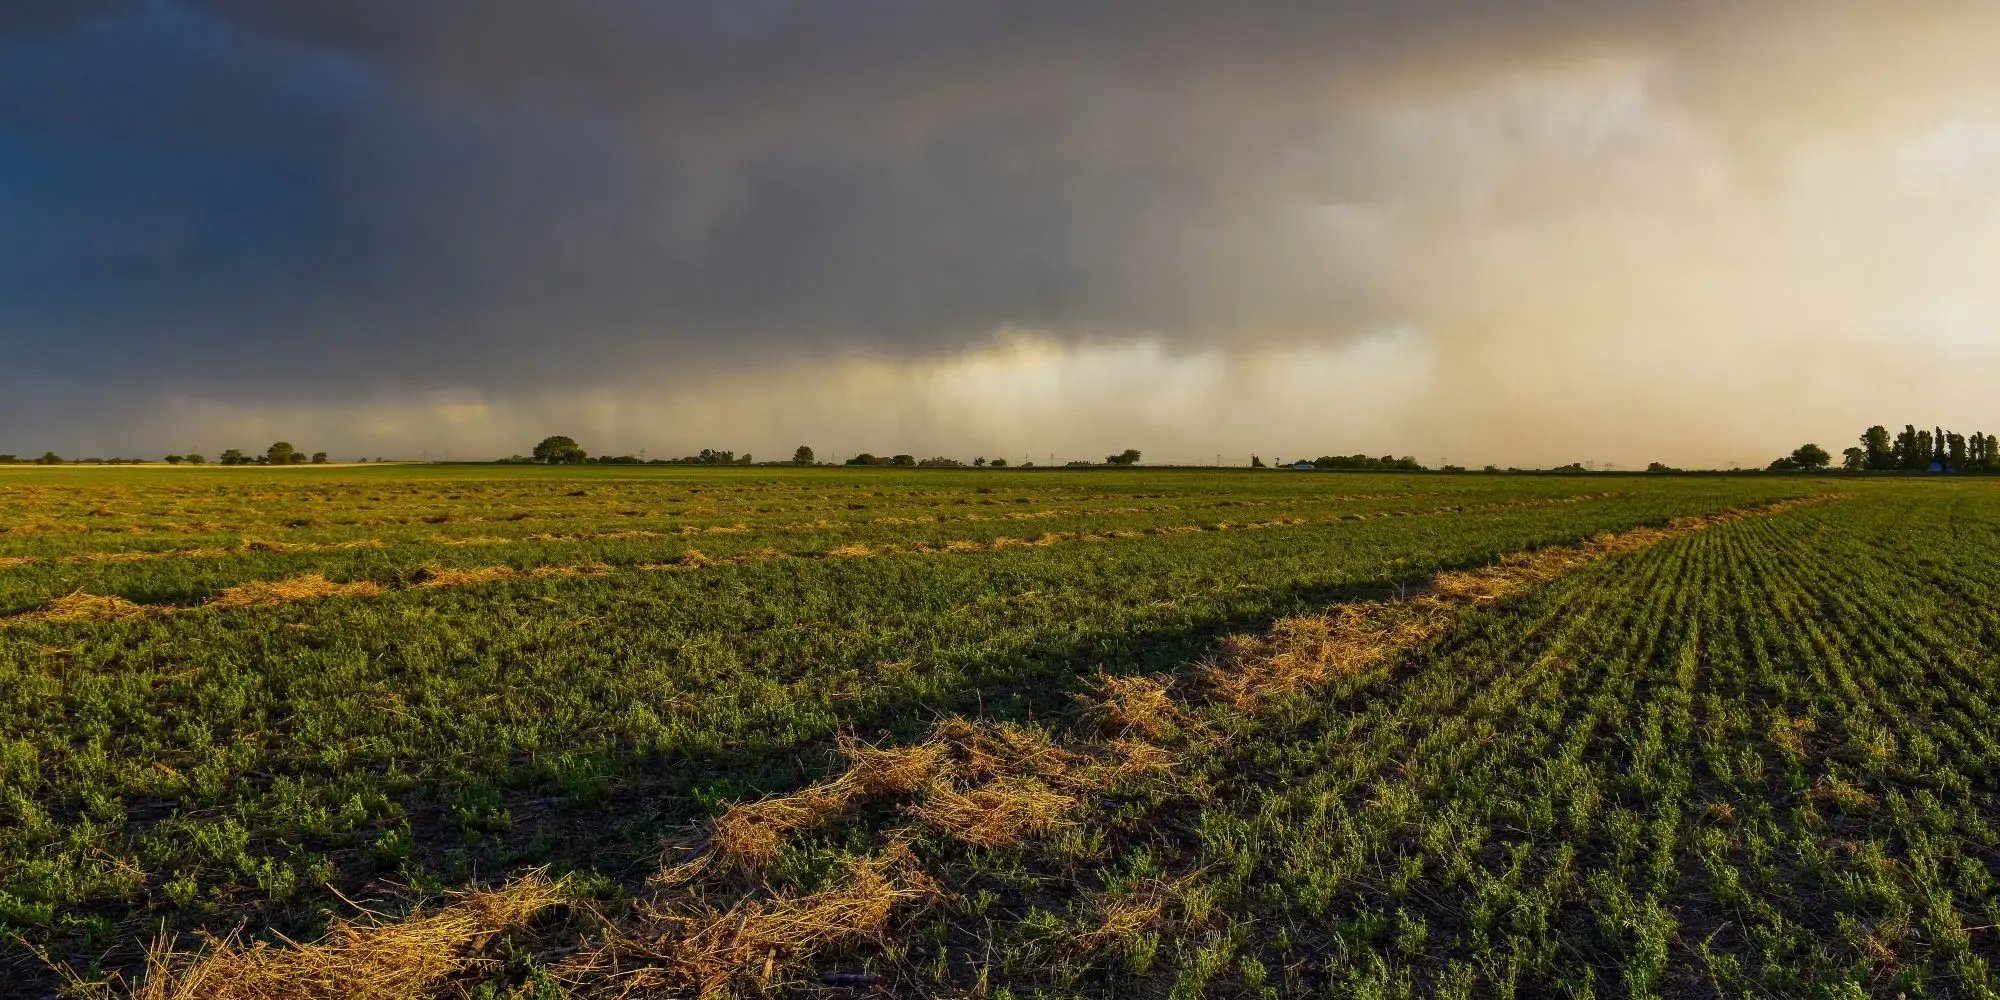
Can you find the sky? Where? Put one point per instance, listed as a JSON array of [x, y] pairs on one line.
[[1519, 232]]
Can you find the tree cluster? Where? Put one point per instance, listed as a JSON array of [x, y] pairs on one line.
[[1916, 450], [279, 453], [1804, 458], [1387, 463]]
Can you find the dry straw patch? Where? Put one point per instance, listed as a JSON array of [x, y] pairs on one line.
[[439, 577], [754, 943], [693, 558], [48, 528], [267, 545], [573, 572], [1117, 918], [1021, 780], [309, 587], [76, 608], [372, 960], [1304, 652], [1124, 705], [750, 833], [995, 814]]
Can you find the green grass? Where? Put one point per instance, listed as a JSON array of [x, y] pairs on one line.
[[1755, 760]]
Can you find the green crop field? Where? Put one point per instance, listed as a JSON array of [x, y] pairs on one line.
[[540, 732]]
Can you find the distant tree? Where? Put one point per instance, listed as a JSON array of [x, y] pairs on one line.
[[1129, 456], [1881, 454], [232, 456], [560, 450], [979, 463], [1955, 452], [1256, 463], [9, 459], [1854, 460], [998, 463], [802, 456], [745, 460], [1660, 467], [1388, 463], [1811, 458], [909, 460], [866, 459], [1906, 448], [319, 458], [281, 453], [49, 458], [174, 459]]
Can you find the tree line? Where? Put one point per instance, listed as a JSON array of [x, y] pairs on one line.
[[561, 449], [279, 453], [1914, 449]]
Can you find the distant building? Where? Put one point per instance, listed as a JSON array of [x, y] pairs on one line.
[[1303, 466], [1937, 466]]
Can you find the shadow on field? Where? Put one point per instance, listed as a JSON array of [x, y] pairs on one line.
[[613, 809]]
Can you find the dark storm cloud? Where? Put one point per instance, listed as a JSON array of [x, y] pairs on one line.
[[261, 202], [22, 19], [409, 191]]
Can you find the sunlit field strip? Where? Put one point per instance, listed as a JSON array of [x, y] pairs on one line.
[[230, 493], [903, 515], [82, 607], [694, 530], [37, 529]]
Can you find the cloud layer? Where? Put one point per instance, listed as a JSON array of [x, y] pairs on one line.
[[1625, 229]]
